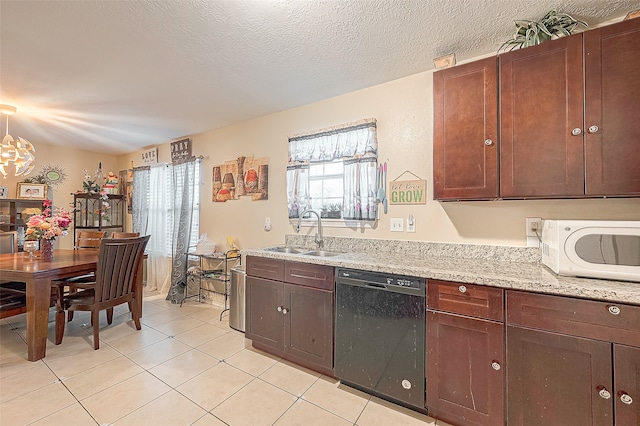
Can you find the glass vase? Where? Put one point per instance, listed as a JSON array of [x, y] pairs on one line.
[[46, 249]]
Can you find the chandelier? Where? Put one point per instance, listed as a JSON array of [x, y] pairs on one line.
[[18, 152]]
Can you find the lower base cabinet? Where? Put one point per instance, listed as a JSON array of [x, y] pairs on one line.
[[557, 379], [465, 354], [292, 320], [572, 362], [464, 372]]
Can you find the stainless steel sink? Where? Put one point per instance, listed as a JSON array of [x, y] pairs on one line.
[[322, 253], [288, 250]]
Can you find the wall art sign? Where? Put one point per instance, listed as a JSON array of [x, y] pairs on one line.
[[240, 177], [408, 191], [150, 156], [180, 150], [32, 191]]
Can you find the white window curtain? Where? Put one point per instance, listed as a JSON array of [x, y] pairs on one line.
[[357, 145], [162, 196]]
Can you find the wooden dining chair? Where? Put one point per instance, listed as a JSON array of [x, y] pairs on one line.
[[13, 295], [124, 234], [89, 239], [116, 270]]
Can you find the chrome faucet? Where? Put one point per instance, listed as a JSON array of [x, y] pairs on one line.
[[319, 239]]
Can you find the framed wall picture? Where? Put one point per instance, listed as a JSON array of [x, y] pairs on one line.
[[4, 192], [32, 191]]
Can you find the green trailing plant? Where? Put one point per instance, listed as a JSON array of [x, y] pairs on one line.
[[531, 33]]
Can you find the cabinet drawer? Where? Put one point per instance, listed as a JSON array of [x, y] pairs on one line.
[[309, 274], [612, 322], [262, 267], [466, 299]]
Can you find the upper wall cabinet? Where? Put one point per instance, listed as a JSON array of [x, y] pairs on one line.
[[565, 136], [465, 149], [569, 120], [612, 109]]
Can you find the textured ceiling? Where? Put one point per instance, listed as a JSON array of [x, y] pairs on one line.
[[115, 76]]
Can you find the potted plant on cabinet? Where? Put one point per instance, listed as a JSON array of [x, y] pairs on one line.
[[550, 26]]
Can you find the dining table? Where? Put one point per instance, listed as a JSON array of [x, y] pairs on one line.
[[38, 274]]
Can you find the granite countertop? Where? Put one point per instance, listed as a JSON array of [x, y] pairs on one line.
[[519, 275]]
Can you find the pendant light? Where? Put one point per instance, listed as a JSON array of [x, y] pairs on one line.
[[18, 152]]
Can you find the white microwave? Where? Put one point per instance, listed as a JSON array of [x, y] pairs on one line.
[[592, 248]]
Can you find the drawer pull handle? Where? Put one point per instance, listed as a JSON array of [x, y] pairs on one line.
[[614, 310], [462, 289], [576, 131], [284, 311], [604, 393], [279, 309], [593, 129], [625, 398], [495, 365], [488, 142]]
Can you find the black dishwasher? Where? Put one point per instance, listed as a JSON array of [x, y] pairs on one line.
[[380, 334]]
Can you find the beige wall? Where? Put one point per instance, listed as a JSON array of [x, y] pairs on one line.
[[73, 162], [404, 112]]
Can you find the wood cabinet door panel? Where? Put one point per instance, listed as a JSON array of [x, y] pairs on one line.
[[626, 368], [541, 102], [310, 274], [465, 115], [308, 324], [466, 299], [555, 379], [463, 387], [264, 323], [263, 267], [612, 103], [578, 317]]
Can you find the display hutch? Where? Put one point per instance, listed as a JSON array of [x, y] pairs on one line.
[[95, 213]]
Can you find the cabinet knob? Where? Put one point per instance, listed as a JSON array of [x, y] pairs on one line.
[[625, 398], [495, 365], [593, 129], [614, 310], [488, 142], [604, 393], [577, 131], [279, 308], [285, 311], [462, 289]]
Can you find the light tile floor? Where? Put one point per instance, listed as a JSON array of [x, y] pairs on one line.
[[185, 367]]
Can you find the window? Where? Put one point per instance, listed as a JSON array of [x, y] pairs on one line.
[[333, 172]]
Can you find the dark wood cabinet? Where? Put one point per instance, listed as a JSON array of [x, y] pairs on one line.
[[540, 104], [557, 379], [291, 320], [464, 370], [626, 361], [612, 105], [568, 120], [568, 116], [465, 141], [465, 353], [572, 361]]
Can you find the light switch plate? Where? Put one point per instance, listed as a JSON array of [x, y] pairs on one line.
[[397, 224]]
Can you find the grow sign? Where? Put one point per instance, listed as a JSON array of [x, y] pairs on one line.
[[408, 192]]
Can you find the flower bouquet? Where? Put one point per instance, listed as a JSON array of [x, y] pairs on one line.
[[47, 226]]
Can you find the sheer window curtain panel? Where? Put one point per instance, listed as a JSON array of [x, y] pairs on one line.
[[356, 145]]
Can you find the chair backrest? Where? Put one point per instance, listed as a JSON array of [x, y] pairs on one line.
[[124, 234], [89, 239], [9, 242], [117, 267]]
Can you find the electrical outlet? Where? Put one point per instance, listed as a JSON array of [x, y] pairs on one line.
[[397, 224], [534, 227]]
